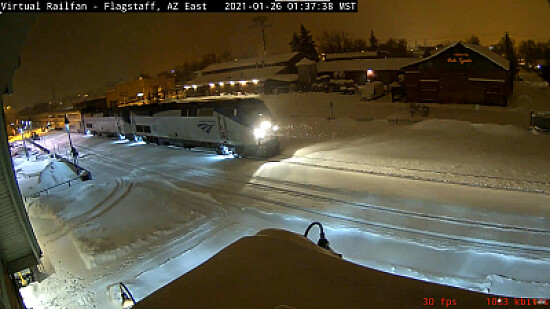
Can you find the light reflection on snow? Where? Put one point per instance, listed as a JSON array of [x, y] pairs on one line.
[[136, 144]]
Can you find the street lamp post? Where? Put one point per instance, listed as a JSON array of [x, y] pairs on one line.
[[23, 139], [74, 153]]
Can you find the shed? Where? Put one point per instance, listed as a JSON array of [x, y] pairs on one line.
[[363, 70], [307, 73], [460, 73]]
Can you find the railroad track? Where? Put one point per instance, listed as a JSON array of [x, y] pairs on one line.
[[525, 241], [480, 181]]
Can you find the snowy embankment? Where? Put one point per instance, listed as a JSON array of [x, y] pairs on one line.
[[41, 172], [110, 221]]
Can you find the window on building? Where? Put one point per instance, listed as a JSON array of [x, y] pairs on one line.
[[205, 112]]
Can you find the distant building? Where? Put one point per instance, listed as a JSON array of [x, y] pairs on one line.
[[96, 103], [261, 74], [307, 73], [54, 120], [363, 70], [460, 73], [352, 55], [143, 89]]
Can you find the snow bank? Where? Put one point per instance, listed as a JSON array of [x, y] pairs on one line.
[[109, 221], [46, 294], [530, 95], [452, 151], [444, 126], [41, 172], [57, 172]]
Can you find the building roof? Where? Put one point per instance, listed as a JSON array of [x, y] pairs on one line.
[[247, 62], [483, 51], [389, 64], [236, 76], [352, 55], [305, 61]]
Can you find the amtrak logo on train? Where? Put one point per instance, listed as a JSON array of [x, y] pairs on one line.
[[205, 127]]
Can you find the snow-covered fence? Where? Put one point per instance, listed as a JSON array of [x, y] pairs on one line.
[[38, 193]]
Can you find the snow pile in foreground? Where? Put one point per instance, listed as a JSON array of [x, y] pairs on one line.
[[46, 293], [113, 220]]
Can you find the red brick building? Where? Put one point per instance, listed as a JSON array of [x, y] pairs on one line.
[[460, 73]]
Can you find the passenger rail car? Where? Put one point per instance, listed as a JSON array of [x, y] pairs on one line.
[[241, 127]]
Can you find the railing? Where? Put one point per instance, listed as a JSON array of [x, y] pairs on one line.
[[38, 193], [79, 169]]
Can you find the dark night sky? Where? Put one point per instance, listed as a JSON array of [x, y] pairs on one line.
[[74, 53]]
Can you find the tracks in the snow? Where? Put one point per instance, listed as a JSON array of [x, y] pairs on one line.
[[527, 241], [447, 177], [119, 192]]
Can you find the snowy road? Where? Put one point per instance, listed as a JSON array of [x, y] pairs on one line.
[[478, 238]]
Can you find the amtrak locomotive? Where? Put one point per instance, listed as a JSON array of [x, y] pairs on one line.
[[242, 127]]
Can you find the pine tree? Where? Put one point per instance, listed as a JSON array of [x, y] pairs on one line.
[[304, 43], [373, 41]]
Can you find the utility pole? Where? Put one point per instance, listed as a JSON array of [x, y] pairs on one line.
[[261, 22], [511, 57]]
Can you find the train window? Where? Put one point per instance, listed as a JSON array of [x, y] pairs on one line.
[[205, 112], [146, 129], [89, 125], [139, 128]]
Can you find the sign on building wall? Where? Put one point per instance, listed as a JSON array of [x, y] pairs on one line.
[[460, 58]]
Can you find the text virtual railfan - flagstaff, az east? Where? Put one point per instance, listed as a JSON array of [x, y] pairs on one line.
[[67, 6]]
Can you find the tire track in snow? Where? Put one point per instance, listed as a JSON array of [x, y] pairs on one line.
[[117, 195], [530, 251]]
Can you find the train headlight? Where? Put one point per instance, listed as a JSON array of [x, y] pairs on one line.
[[265, 125], [259, 133], [275, 128]]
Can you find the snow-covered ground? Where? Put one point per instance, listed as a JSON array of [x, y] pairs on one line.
[[441, 200]]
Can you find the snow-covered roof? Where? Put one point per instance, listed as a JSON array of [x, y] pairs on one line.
[[483, 51], [284, 77], [236, 76], [389, 64], [305, 61], [259, 61], [489, 54], [352, 55]]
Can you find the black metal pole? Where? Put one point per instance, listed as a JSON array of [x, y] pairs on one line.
[[24, 144], [70, 140]]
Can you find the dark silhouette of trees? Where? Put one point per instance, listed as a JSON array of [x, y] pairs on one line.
[[473, 40], [396, 48], [340, 42], [373, 41], [186, 71], [304, 43]]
